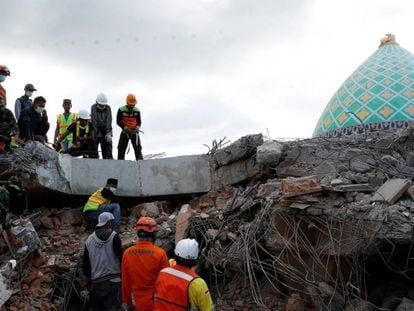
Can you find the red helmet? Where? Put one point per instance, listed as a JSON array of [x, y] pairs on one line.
[[147, 224], [5, 70]]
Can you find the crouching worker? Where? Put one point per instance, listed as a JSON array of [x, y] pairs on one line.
[[100, 201], [179, 287], [102, 265], [83, 143]]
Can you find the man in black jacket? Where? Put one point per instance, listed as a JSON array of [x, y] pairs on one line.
[[102, 265], [33, 123], [24, 101]]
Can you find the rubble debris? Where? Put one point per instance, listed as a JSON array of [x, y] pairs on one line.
[[269, 153], [240, 149], [300, 233], [302, 185], [392, 190]]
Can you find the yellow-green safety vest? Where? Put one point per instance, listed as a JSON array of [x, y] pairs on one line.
[[95, 200], [77, 143], [63, 124]]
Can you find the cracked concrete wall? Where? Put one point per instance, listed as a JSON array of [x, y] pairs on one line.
[[169, 176]]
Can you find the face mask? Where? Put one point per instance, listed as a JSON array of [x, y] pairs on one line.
[[2, 78], [2, 107], [39, 110], [112, 189], [28, 93]]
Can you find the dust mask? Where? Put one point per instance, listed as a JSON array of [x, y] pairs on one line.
[[39, 110], [28, 93], [112, 189], [2, 78]]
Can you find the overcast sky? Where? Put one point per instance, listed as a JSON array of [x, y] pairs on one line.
[[201, 69]]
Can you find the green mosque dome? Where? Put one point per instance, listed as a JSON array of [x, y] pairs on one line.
[[378, 96]]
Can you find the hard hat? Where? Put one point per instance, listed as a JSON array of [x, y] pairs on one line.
[[147, 224], [84, 114], [131, 99], [5, 70], [187, 249], [101, 99]]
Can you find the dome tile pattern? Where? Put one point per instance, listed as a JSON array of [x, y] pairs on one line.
[[379, 94]]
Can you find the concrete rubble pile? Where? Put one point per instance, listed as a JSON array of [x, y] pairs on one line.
[[326, 223], [317, 224]]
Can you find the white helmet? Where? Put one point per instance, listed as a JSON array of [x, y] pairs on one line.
[[187, 249], [84, 114], [101, 99]]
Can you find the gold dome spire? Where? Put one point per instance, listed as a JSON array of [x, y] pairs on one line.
[[388, 39]]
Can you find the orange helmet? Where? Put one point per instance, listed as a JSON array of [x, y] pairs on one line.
[[147, 224], [5, 70], [131, 100]]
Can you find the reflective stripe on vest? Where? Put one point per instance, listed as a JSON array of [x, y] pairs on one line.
[[171, 292], [95, 200], [77, 143], [129, 117], [63, 124]]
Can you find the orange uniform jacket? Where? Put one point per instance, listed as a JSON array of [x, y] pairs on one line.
[[172, 289], [141, 264]]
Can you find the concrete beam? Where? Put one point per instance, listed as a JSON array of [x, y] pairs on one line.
[[159, 177]]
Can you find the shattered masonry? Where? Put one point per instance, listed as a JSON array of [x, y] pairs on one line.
[[321, 223]]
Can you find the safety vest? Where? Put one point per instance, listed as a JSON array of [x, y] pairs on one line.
[[129, 116], [64, 123], [171, 293], [95, 200], [76, 143]]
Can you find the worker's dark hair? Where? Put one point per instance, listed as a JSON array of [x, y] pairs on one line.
[[142, 234], [189, 263], [39, 99], [112, 181]]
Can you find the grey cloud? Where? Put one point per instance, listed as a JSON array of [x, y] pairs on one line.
[[142, 37]]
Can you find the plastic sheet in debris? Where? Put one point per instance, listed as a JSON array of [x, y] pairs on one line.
[[23, 229]]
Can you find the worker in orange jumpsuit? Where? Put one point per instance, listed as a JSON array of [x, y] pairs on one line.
[[141, 264]]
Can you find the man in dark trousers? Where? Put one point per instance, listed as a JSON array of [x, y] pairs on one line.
[[101, 115], [33, 122], [128, 119], [102, 265], [24, 101]]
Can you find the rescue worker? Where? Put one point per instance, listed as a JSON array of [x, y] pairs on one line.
[[100, 201], [179, 287], [129, 120], [102, 265], [83, 138], [24, 101], [141, 264], [102, 125], [4, 73], [33, 122], [63, 121], [8, 127]]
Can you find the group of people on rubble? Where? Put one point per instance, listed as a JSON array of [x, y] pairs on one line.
[[77, 134], [141, 277]]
